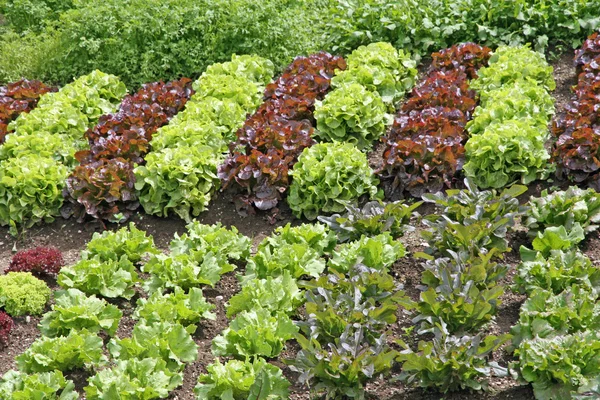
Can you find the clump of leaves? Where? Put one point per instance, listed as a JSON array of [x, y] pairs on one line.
[[558, 238], [588, 51], [113, 245], [30, 191], [376, 252], [186, 309], [80, 349], [274, 294], [39, 260], [255, 333], [560, 366], [93, 276], [576, 157], [509, 64], [556, 272], [451, 363], [167, 341], [373, 219], [103, 189], [314, 191], [471, 218], [73, 310], [6, 325], [351, 113], [381, 68], [242, 379], [23, 294], [147, 378], [505, 153], [469, 57], [564, 208], [46, 385], [545, 314]]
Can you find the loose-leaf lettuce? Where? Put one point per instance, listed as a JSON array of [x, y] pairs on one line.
[[73, 310], [21, 294], [52, 385], [377, 252], [127, 241]]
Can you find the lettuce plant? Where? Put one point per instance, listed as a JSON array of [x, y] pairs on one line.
[[255, 333], [509, 64], [147, 378], [558, 238], [374, 218], [23, 294], [505, 153], [274, 294], [30, 191], [560, 366], [297, 259], [40, 260], [451, 363], [564, 208], [556, 272], [110, 278], [545, 314], [254, 68], [216, 239], [351, 113], [328, 177], [178, 180], [6, 325], [73, 310], [80, 349], [186, 309], [45, 385], [376, 252], [163, 340], [129, 241], [236, 379]]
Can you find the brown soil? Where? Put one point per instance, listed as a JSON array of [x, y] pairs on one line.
[[71, 237]]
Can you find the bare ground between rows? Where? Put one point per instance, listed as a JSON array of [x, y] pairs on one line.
[[70, 237]]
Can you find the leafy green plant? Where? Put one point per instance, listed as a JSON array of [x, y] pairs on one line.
[[186, 270], [558, 238], [363, 297], [179, 180], [274, 294], [545, 314], [342, 368], [216, 239], [164, 340], [505, 153], [255, 333], [252, 67], [128, 241], [109, 278], [483, 214], [351, 113], [564, 208], [186, 309], [560, 366], [451, 363], [147, 378], [30, 191], [73, 310], [79, 349], [242, 380], [328, 177], [523, 100], [377, 252], [45, 385], [317, 236], [510, 64], [21, 293], [379, 67], [297, 259], [373, 219], [555, 272]]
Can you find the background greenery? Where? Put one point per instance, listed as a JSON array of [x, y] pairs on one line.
[[146, 40]]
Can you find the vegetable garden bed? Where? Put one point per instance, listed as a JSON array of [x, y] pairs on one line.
[[488, 292]]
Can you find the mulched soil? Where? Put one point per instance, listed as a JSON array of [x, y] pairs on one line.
[[71, 237]]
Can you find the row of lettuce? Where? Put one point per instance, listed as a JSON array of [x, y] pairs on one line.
[[243, 132]]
